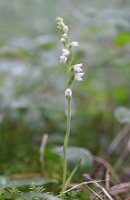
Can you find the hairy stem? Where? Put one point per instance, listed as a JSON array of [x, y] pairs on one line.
[[66, 139]]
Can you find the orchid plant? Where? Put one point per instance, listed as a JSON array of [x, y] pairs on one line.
[[74, 72]]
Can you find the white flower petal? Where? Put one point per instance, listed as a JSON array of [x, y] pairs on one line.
[[74, 44], [68, 92], [65, 52], [77, 68], [63, 59], [78, 76]]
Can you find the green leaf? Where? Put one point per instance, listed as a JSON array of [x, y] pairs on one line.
[[4, 181], [34, 181], [122, 38], [74, 154], [70, 177], [122, 114]]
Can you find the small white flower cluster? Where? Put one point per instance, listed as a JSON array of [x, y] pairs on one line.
[[63, 57], [61, 25], [76, 72], [64, 37], [77, 68]]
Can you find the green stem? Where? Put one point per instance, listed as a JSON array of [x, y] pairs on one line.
[[66, 139]]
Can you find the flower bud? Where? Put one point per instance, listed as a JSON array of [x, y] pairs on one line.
[[64, 35], [59, 19], [63, 40], [65, 29], [68, 92]]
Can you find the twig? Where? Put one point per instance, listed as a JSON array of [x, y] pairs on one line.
[[120, 188], [76, 186], [114, 190], [94, 192], [87, 177], [107, 178], [103, 190], [42, 150], [122, 156], [105, 164], [118, 138]]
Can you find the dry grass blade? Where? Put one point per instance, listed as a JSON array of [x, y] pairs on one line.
[[105, 164], [42, 150], [125, 130], [107, 178], [123, 155], [87, 177], [77, 186], [93, 192], [120, 188]]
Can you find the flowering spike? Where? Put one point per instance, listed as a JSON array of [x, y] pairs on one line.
[[61, 25], [73, 72]]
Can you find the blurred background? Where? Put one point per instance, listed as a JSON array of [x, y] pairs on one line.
[[33, 81]]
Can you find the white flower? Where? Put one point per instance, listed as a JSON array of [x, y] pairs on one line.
[[63, 59], [62, 40], [68, 92], [65, 52], [77, 68], [78, 76], [64, 36], [74, 44]]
